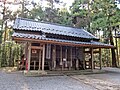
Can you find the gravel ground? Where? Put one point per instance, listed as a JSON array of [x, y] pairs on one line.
[[107, 81], [17, 81]]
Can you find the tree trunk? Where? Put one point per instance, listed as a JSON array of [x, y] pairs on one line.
[[88, 16], [116, 47], [10, 56], [113, 51]]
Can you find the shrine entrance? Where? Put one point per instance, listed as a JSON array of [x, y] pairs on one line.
[[36, 55], [35, 62]]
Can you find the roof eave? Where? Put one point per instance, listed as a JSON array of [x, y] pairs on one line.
[[61, 43]]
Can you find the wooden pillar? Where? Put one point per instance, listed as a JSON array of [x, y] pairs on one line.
[[77, 62], [66, 57], [84, 58], [29, 55], [26, 50], [61, 59], [70, 57], [54, 57], [100, 58], [39, 59], [26, 55], [34, 64], [92, 64], [43, 56]]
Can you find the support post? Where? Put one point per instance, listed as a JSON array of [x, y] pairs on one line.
[[26, 55], [71, 58], [66, 57], [39, 59], [29, 55], [34, 64], [100, 58], [61, 61], [26, 50], [92, 64], [43, 57], [54, 57], [84, 59], [77, 62]]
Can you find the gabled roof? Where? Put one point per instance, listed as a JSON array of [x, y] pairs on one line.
[[30, 25]]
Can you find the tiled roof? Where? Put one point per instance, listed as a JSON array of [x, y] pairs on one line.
[[26, 24], [33, 36]]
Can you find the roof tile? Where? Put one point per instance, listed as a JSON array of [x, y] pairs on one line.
[[33, 36], [26, 24]]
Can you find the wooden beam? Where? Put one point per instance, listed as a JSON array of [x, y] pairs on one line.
[[36, 47], [100, 58], [90, 51], [39, 59], [43, 57], [62, 43]]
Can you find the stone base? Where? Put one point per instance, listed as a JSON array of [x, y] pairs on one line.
[[34, 73], [9, 69]]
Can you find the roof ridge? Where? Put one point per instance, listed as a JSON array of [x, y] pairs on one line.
[[48, 23]]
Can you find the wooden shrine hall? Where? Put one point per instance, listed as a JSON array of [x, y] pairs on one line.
[[49, 46]]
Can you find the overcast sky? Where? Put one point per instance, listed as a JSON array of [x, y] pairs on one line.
[[43, 3], [68, 3]]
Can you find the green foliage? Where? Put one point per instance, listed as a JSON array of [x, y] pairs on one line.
[[81, 9], [64, 17], [106, 57], [105, 14], [60, 16], [104, 18], [36, 13], [9, 53]]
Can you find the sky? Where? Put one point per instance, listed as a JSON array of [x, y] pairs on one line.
[[69, 2], [43, 3]]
